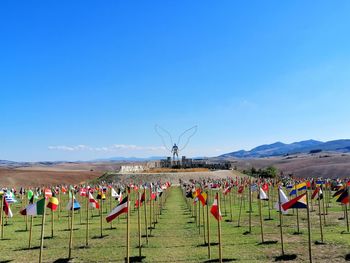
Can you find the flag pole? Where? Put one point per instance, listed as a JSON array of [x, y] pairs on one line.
[[261, 221], [323, 206], [297, 212], [42, 235], [101, 211], [280, 216], [52, 223], [224, 199], [199, 217], [145, 209], [219, 232], [128, 232], [319, 215], [240, 210], [308, 226], [346, 217], [250, 206], [208, 226], [150, 210], [87, 218], [110, 205], [139, 222], [71, 227], [59, 200], [2, 216], [26, 217], [30, 232], [268, 201], [230, 201], [204, 234]]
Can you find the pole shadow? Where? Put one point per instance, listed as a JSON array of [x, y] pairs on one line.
[[100, 237], [269, 242], [286, 257], [223, 260], [62, 260], [136, 259], [206, 244]]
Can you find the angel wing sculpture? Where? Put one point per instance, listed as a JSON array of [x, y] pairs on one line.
[[182, 142]]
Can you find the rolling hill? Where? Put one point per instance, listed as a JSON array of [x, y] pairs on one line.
[[282, 149]]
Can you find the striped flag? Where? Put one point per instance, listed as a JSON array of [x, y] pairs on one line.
[[317, 193], [48, 193], [215, 209], [93, 202], [34, 209], [262, 195], [53, 203], [283, 198], [10, 198], [6, 208], [73, 204], [297, 202], [118, 210]]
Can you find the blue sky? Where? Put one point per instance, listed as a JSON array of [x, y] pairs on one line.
[[82, 80]]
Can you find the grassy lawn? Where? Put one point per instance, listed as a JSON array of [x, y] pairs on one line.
[[176, 236]]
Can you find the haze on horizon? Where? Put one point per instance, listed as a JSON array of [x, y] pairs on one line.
[[85, 80]]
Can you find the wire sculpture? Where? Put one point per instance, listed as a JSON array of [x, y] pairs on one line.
[[184, 138]]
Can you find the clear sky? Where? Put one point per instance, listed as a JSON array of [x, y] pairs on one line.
[[81, 80]]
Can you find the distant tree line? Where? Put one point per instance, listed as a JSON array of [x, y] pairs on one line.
[[268, 172]]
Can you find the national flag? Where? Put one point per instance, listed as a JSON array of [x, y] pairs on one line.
[[196, 192], [64, 190], [114, 193], [143, 197], [189, 194], [215, 209], [265, 187], [297, 202], [83, 191], [298, 187], [344, 197], [93, 202], [153, 196], [339, 192], [262, 195], [10, 198], [318, 194], [254, 188], [101, 195], [6, 208], [30, 194], [227, 190], [34, 209], [73, 204], [118, 210], [283, 199], [48, 193], [203, 198], [53, 203]]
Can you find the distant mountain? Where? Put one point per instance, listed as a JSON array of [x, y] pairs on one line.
[[279, 149], [129, 159]]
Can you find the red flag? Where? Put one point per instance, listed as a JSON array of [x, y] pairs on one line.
[[83, 192], [6, 208], [265, 187], [215, 209], [143, 197]]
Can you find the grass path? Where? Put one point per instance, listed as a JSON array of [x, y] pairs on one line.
[[175, 237]]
